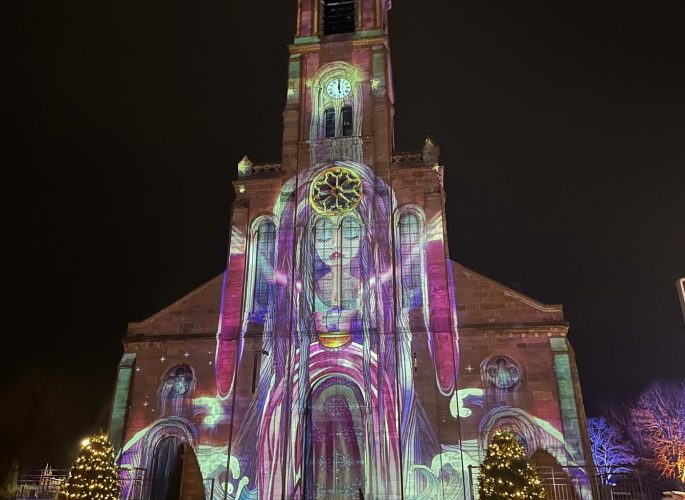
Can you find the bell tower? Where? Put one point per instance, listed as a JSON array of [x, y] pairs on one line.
[[339, 96]]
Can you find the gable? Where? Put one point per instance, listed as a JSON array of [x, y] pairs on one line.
[[195, 313], [482, 301]]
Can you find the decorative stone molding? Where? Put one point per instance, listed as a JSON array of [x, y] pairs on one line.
[[267, 168]]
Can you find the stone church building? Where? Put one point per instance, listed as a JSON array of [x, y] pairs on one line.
[[342, 354]]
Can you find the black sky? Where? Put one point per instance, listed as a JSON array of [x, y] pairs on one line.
[[562, 131]]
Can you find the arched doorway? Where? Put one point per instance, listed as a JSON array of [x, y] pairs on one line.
[[334, 442], [165, 470]]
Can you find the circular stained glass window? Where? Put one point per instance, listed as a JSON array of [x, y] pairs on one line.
[[501, 372], [336, 191]]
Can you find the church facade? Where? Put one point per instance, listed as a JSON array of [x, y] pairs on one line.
[[342, 354]]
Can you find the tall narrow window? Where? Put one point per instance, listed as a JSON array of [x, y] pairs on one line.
[[326, 268], [349, 263], [329, 119], [337, 266], [338, 16], [264, 266], [410, 258], [347, 123]]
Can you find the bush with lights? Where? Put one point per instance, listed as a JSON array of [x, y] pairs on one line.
[[94, 473], [505, 473]]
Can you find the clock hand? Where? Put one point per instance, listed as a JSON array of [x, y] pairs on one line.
[[338, 86]]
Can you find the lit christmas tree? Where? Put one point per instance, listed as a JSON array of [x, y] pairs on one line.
[[505, 472], [94, 473]]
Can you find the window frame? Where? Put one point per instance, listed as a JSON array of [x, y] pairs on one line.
[[355, 13], [337, 225], [416, 211], [253, 264]]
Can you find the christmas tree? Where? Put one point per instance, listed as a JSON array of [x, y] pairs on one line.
[[505, 473], [94, 473]]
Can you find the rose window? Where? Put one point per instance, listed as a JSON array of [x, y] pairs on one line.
[[336, 191], [501, 372]]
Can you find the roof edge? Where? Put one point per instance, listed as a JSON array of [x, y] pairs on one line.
[[195, 291], [510, 291]]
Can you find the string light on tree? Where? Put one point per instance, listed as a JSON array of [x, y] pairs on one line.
[[505, 473], [94, 473]]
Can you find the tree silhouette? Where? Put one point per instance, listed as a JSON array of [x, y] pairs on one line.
[[610, 451], [658, 422]]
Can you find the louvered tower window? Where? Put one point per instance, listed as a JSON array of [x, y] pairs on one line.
[[338, 16], [347, 121], [329, 119], [264, 268], [410, 258]]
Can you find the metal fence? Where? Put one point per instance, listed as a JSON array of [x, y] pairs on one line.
[[40, 485], [575, 483], [134, 485]]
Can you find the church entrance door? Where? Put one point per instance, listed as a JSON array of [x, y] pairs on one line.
[[165, 470], [334, 454]]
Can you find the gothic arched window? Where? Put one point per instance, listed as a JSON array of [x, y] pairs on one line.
[[329, 121], [338, 16], [176, 391], [324, 246], [411, 261], [264, 266], [347, 121], [501, 372], [337, 266], [349, 248]]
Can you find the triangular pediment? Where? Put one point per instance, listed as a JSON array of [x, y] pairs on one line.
[[193, 314], [483, 301]]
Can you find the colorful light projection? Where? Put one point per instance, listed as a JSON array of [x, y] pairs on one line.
[[336, 315]]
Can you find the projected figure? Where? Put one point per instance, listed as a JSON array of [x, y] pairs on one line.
[[334, 403], [175, 393]]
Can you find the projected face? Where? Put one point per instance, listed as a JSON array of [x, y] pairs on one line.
[[337, 244]]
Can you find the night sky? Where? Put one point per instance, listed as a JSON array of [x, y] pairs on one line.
[[562, 128]]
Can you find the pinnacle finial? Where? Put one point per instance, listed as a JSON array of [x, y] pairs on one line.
[[431, 152], [245, 167]]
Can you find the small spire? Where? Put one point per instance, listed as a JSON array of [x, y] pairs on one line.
[[431, 152], [245, 167]]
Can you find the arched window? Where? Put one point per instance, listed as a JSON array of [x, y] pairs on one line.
[[264, 266], [411, 262], [325, 245], [175, 392], [329, 120], [347, 121], [349, 275], [337, 265], [338, 16]]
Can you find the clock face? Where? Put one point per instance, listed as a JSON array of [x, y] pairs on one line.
[[336, 191], [338, 88]]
